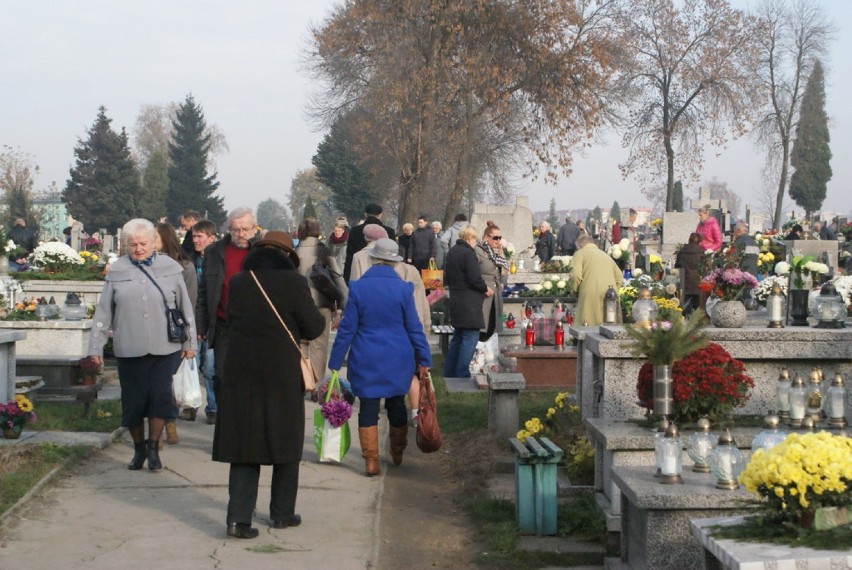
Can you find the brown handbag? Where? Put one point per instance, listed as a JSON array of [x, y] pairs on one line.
[[309, 375], [428, 432]]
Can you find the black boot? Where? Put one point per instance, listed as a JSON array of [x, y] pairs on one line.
[[140, 454], [154, 463]]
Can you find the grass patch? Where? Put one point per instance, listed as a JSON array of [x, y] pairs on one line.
[[103, 416], [23, 466]]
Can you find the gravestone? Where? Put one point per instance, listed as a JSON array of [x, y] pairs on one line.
[[756, 220], [676, 229], [816, 248], [515, 222], [704, 199]]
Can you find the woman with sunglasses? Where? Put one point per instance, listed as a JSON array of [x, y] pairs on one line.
[[493, 266]]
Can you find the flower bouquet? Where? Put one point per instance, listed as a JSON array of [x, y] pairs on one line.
[[665, 342], [557, 264], [620, 252], [553, 286], [707, 382], [14, 414], [727, 283], [801, 267], [805, 480], [508, 249], [335, 407], [55, 256], [764, 288]]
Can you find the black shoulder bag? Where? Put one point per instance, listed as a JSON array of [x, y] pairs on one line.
[[322, 278], [176, 327]]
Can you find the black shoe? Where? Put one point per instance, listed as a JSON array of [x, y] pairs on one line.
[[188, 414], [211, 418], [154, 463], [295, 520], [140, 454], [242, 530]]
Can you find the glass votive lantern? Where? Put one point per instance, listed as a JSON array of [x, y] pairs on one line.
[[797, 401], [658, 438], [726, 462], [42, 311], [671, 456], [700, 445], [828, 308], [837, 402], [775, 307], [771, 436], [559, 336], [813, 397], [782, 394], [73, 309], [644, 309], [610, 306]]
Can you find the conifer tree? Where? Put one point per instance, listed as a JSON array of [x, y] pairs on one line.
[[104, 182], [310, 211], [552, 218], [190, 186], [811, 153], [615, 211]]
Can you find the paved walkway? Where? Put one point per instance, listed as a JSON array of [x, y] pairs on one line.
[[106, 516]]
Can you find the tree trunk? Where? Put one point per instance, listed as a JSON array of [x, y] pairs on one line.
[[782, 182], [667, 140], [461, 181]]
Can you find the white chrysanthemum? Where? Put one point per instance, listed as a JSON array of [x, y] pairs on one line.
[[615, 252], [671, 289], [624, 243], [536, 287], [548, 285], [821, 268], [782, 268], [561, 284], [55, 253], [637, 272]]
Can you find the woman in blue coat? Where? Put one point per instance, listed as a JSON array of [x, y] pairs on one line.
[[382, 332]]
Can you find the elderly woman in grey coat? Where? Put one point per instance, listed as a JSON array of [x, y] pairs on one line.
[[138, 288]]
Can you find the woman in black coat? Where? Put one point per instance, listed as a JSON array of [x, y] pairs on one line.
[[689, 262], [261, 415], [467, 290]]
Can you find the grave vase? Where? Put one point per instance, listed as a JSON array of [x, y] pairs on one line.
[[729, 315]]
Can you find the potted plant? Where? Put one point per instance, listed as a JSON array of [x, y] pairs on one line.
[[14, 414]]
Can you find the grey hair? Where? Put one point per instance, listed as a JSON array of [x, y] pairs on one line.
[[545, 224], [438, 224], [238, 213], [137, 227], [741, 227], [584, 240], [704, 209]]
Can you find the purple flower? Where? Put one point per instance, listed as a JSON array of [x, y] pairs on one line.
[[336, 412], [666, 325]]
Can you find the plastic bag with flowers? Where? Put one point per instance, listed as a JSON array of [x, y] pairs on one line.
[[55, 256], [14, 414], [805, 480], [332, 437]]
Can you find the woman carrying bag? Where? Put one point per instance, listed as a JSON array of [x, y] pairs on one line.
[[385, 340], [261, 407]]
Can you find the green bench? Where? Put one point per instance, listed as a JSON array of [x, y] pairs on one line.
[[535, 484]]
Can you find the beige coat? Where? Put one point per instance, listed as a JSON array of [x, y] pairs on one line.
[[592, 273], [362, 261]]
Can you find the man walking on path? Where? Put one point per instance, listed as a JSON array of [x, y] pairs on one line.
[[356, 241], [222, 260], [566, 241], [424, 245]]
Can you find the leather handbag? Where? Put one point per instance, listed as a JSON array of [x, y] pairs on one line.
[[176, 326], [429, 437], [309, 375]]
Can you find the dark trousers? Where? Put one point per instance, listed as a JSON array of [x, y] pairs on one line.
[[242, 490], [220, 347], [368, 413]]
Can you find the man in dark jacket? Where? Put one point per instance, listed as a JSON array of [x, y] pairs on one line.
[[356, 241], [467, 288], [747, 247], [23, 236], [222, 260], [566, 241], [424, 244]]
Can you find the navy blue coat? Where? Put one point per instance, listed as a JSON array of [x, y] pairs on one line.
[[382, 332], [463, 279]]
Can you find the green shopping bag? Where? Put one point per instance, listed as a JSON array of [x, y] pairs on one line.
[[332, 441]]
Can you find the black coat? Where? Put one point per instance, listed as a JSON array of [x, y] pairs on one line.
[[463, 279], [261, 415], [545, 246], [357, 242], [689, 260]]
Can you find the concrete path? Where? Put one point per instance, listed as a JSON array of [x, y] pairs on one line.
[[106, 516]]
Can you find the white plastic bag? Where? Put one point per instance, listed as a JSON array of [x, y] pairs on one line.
[[186, 386]]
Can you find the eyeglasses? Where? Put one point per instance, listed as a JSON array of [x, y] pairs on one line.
[[497, 238], [239, 231]]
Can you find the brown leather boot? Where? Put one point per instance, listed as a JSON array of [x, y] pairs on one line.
[[171, 433], [369, 437], [398, 442]]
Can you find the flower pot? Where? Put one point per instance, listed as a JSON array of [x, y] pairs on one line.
[[728, 314], [799, 307], [12, 433]]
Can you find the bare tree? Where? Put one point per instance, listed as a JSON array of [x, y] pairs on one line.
[[18, 170], [793, 36], [688, 71]]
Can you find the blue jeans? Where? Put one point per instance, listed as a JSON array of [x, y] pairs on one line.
[[460, 353], [206, 364]]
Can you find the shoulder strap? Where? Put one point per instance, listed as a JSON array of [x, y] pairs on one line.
[[274, 310], [148, 275]]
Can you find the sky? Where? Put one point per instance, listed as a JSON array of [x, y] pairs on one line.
[[242, 62]]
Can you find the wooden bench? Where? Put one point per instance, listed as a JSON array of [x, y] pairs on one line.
[[444, 332], [535, 484], [61, 373]]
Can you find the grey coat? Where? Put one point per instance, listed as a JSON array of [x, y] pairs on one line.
[[133, 309], [491, 275]]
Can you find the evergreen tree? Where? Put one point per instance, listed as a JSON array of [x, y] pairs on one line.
[[104, 184], [338, 168], [273, 215], [677, 198], [552, 218], [155, 187], [190, 187], [309, 211], [811, 153], [615, 212]]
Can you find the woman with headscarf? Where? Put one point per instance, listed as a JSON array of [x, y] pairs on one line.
[[261, 407], [384, 338], [492, 266], [138, 288]]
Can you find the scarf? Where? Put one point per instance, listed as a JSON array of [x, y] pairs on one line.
[[492, 255], [148, 261]]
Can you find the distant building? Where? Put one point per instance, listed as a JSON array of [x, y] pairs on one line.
[[52, 215]]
